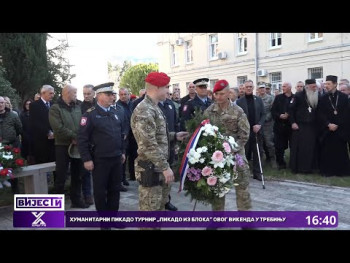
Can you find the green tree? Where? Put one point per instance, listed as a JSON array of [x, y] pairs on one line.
[[58, 66], [134, 77], [7, 90], [25, 60], [126, 65]]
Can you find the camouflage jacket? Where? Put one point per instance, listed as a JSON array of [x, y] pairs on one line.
[[149, 127], [233, 119], [267, 100]]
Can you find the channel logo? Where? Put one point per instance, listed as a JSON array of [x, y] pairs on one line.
[[40, 211], [40, 202]]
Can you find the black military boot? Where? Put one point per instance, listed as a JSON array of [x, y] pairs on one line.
[[170, 206]]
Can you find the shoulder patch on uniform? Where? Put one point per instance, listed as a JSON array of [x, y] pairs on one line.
[[184, 108], [90, 109], [83, 121]]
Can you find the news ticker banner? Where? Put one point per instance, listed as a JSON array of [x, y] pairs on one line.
[[203, 219], [47, 211]]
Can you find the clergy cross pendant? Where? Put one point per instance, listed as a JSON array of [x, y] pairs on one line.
[[309, 109], [335, 112]]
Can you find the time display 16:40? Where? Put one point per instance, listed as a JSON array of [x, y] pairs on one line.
[[319, 220]]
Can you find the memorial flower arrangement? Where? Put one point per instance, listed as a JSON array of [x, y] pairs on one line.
[[208, 167], [10, 160]]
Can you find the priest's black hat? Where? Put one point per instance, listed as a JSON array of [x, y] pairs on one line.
[[310, 81], [332, 78]]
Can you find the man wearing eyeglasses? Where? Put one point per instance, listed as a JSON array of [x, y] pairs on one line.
[[201, 101]]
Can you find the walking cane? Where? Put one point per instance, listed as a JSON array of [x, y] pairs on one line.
[[261, 171]]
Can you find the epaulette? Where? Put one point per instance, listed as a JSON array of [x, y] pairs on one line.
[[91, 109]]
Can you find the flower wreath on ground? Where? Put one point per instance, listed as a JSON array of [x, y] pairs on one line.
[[10, 160], [208, 167]]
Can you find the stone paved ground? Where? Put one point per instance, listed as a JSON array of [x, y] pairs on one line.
[[278, 196]]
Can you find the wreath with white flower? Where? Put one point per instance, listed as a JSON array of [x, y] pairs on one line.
[[209, 164]]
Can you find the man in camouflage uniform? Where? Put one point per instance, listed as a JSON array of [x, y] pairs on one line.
[[268, 145], [236, 124], [150, 129]]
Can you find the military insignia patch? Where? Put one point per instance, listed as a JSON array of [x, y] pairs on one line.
[[170, 107], [185, 108], [83, 121]]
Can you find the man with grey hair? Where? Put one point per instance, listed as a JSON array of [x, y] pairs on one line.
[[320, 87], [89, 98], [343, 81], [304, 144], [64, 117], [282, 126], [43, 136], [233, 94], [253, 107], [345, 88]]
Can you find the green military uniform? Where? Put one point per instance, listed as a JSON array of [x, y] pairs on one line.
[[149, 127], [237, 125], [268, 127]]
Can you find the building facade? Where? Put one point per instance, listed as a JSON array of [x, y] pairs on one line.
[[261, 57]]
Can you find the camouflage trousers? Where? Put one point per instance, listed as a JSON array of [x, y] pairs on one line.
[[154, 198], [243, 200], [268, 139]]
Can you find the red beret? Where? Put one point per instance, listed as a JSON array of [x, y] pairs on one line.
[[158, 79], [132, 96], [220, 85]]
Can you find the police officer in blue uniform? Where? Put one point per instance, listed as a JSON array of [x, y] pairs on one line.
[[101, 146], [168, 108], [201, 101]]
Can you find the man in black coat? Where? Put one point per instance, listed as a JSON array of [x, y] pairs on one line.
[[282, 127], [253, 107], [333, 117], [43, 137], [304, 144]]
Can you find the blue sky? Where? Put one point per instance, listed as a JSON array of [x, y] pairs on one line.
[[89, 53]]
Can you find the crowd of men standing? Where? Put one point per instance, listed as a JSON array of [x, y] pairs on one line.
[[95, 137]]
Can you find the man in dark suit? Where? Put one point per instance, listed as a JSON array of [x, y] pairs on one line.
[[253, 107], [43, 137]]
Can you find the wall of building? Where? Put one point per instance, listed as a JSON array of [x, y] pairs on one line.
[[293, 59]]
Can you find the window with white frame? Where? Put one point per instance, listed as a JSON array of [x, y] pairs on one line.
[[174, 61], [188, 45], [242, 43], [213, 46], [315, 37], [241, 79], [276, 81], [315, 73], [275, 40], [212, 83]]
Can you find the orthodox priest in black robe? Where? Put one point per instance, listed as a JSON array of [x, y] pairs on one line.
[[333, 116], [304, 143]]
